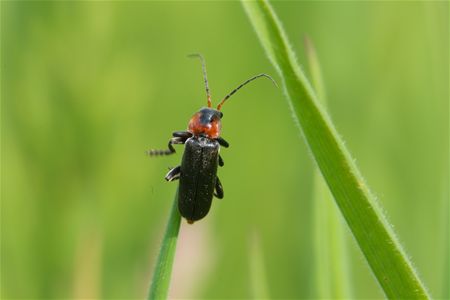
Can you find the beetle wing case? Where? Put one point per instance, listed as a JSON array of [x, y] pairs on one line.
[[198, 177]]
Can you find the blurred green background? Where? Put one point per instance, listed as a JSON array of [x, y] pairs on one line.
[[87, 87]]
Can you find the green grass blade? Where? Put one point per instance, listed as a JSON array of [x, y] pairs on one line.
[[161, 276], [315, 71], [258, 278], [373, 234], [332, 273]]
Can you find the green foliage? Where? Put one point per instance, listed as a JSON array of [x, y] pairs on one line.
[[88, 86], [373, 234]]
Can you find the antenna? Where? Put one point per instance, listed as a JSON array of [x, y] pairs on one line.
[[241, 85], [205, 77]]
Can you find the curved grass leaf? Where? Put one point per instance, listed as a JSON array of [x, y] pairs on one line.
[[163, 270], [373, 234]]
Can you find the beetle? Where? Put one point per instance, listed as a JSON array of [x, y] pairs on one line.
[[198, 170]]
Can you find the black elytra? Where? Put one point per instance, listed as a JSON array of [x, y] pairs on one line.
[[198, 170]]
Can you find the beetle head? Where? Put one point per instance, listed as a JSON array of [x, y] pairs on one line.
[[206, 122]]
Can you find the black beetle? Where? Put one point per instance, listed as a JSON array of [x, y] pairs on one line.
[[198, 170]]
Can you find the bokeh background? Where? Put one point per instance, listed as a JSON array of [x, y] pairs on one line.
[[87, 87]]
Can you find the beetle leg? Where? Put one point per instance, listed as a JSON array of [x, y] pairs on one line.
[[220, 161], [222, 142], [171, 150], [182, 134], [173, 174], [218, 189]]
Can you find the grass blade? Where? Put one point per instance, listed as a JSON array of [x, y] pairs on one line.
[[388, 262], [161, 276], [332, 274], [258, 278]]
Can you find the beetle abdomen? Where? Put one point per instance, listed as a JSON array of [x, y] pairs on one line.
[[198, 177]]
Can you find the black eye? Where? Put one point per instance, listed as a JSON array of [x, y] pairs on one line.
[[221, 114]]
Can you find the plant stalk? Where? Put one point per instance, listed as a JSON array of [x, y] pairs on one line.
[[159, 287]]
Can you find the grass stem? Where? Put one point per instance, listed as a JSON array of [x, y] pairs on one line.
[[159, 288], [373, 234]]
